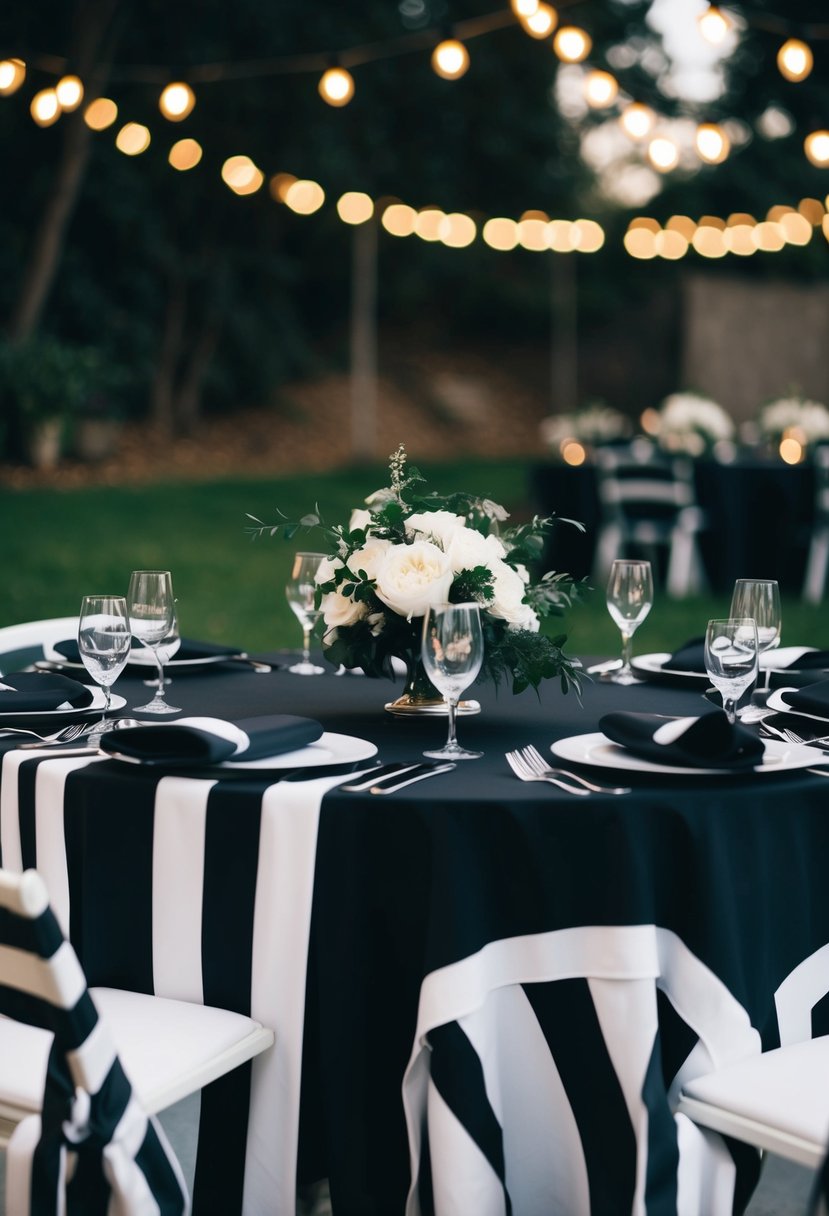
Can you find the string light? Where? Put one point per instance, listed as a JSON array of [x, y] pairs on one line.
[[355, 207], [45, 107], [523, 8], [663, 154], [279, 185], [637, 120], [12, 75], [133, 139], [398, 219], [816, 147], [69, 92], [304, 197], [450, 59], [712, 143], [241, 175], [336, 86], [600, 89], [176, 101], [714, 25], [100, 113], [541, 21], [571, 44], [185, 154], [795, 60]]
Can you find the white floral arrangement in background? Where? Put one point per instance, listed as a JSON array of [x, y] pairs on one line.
[[593, 425], [807, 421], [691, 423]]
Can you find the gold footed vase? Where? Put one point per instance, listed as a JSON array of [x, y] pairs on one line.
[[420, 698]]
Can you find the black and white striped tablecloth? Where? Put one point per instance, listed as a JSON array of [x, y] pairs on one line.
[[204, 889]]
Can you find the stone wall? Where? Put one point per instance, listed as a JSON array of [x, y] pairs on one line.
[[745, 340]]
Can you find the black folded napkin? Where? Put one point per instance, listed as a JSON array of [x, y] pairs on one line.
[[708, 741], [691, 657], [187, 650], [813, 699], [196, 741], [40, 692]]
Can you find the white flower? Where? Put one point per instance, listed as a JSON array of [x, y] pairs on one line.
[[683, 415], [436, 526], [369, 557], [493, 510], [338, 609], [787, 413], [508, 598], [359, 519], [469, 548], [327, 569], [593, 424], [411, 577]]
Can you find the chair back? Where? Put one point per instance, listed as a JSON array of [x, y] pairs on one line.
[[636, 482], [93, 1143]]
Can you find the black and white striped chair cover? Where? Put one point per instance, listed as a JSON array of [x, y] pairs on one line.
[[92, 1149]]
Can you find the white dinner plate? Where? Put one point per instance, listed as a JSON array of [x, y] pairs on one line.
[[141, 656], [600, 751], [330, 748], [651, 665], [777, 703], [59, 716]]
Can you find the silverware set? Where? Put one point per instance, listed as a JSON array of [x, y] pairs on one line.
[[387, 778], [529, 765]]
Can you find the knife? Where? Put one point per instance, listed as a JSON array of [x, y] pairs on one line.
[[420, 774]]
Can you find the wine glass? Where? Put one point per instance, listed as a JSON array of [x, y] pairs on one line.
[[760, 599], [629, 600], [731, 658], [152, 611], [104, 644], [452, 651], [301, 590]]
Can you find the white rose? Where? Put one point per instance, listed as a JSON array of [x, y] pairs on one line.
[[437, 526], [508, 599], [369, 557], [327, 569], [338, 609], [359, 519], [469, 548], [411, 577]]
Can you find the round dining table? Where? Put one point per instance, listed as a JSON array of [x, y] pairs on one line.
[[486, 993]]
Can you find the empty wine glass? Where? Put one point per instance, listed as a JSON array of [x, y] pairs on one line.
[[759, 598], [152, 610], [301, 590], [104, 644], [452, 651], [731, 658], [629, 600]]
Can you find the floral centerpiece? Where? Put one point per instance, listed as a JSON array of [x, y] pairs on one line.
[[406, 550], [691, 423], [806, 421], [592, 426]]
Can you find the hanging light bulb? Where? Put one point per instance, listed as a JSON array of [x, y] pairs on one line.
[[816, 146], [45, 108], [523, 8], [69, 92], [336, 86], [600, 89], [176, 101], [12, 75], [541, 21], [714, 25], [450, 59], [663, 154], [712, 143], [572, 44], [100, 113], [795, 60], [637, 120]]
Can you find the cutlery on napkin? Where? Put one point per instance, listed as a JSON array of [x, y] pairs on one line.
[[707, 741], [29, 692], [206, 741]]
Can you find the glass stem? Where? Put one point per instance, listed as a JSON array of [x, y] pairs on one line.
[[451, 705], [160, 661], [627, 646], [107, 699], [730, 707], [306, 644]]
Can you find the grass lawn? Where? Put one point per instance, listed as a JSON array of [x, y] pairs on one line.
[[56, 546]]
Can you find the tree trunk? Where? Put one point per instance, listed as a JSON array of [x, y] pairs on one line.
[[91, 55], [188, 399], [162, 392]]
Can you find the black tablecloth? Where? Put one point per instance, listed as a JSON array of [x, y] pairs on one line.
[[759, 517], [405, 886]]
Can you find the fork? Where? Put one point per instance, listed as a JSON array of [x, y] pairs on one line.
[[794, 737], [532, 763], [72, 731]]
